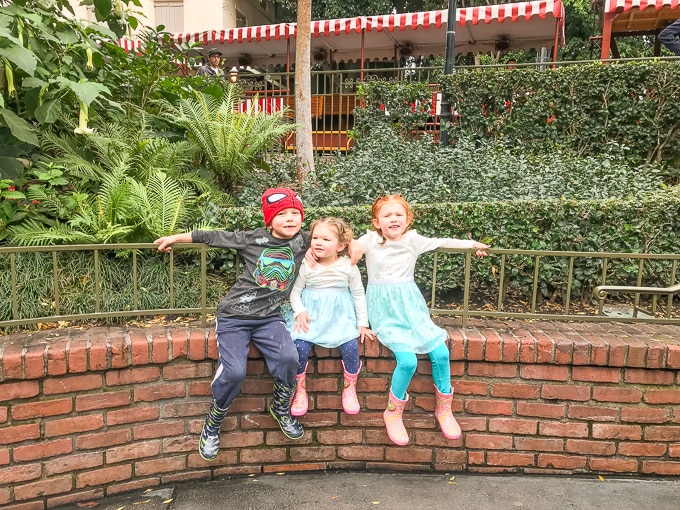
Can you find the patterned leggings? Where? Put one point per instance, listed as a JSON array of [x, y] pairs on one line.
[[407, 362], [348, 350]]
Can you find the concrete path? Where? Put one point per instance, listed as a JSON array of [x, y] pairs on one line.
[[397, 491]]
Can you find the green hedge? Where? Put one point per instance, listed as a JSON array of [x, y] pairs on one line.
[[587, 108]]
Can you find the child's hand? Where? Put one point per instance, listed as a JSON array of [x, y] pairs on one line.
[[355, 253], [365, 333], [481, 249], [310, 258], [165, 243], [301, 323]]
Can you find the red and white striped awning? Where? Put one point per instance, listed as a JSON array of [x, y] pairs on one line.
[[627, 5], [523, 24]]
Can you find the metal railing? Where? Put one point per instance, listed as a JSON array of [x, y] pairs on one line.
[[484, 288]]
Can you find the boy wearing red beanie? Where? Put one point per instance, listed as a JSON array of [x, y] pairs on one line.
[[251, 310]]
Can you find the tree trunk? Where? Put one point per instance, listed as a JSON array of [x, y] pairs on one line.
[[304, 154]]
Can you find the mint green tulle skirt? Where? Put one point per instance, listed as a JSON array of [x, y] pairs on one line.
[[398, 314]]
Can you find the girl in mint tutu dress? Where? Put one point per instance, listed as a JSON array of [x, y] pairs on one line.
[[397, 311], [329, 310]]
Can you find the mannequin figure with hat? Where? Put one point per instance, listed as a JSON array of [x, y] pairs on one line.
[[251, 310], [212, 68]]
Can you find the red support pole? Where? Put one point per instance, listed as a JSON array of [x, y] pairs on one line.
[[607, 34]]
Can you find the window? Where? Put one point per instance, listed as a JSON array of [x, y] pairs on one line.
[[241, 20], [170, 13], [263, 4]]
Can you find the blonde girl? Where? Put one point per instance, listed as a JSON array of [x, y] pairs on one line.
[[329, 310], [398, 313]]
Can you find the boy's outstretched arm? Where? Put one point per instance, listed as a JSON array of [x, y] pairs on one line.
[[165, 243]]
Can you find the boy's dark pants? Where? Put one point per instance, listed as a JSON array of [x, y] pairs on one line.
[[271, 338]]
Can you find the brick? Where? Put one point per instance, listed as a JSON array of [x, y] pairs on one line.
[[73, 425], [73, 384], [637, 353], [19, 390], [34, 361], [539, 444], [571, 429], [644, 415], [132, 376], [363, 453], [98, 352], [120, 350], [325, 384], [178, 343], [447, 456], [609, 394], [184, 371], [194, 460], [160, 392], [197, 345], [591, 447], [42, 488], [488, 442], [73, 462], [103, 439], [614, 465], [515, 391], [560, 461], [342, 436], [19, 433], [119, 488], [592, 413], [160, 347], [42, 450], [641, 376], [490, 407], [132, 415], [102, 400], [199, 389], [4, 456], [12, 366], [596, 374], [666, 433], [411, 454], [565, 392], [245, 405], [642, 449], [183, 409], [103, 476], [263, 455], [616, 431], [179, 444], [42, 409], [469, 388], [670, 396], [513, 426], [21, 473], [77, 355], [312, 454], [665, 468], [153, 430], [510, 459], [73, 498], [3, 414], [529, 347], [540, 410], [165, 465], [510, 348], [500, 370], [140, 347], [56, 357], [544, 372]]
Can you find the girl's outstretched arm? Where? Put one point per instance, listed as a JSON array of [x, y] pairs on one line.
[[165, 243], [355, 251], [481, 249]]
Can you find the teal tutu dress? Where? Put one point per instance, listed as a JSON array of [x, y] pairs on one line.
[[333, 317]]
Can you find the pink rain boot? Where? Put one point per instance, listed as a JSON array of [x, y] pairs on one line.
[[300, 402], [350, 403], [442, 412], [392, 417]]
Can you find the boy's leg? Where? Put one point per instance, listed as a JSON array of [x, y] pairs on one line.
[[274, 343], [300, 403], [351, 365], [441, 374], [233, 337]]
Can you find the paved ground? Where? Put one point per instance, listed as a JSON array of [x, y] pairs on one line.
[[396, 491]]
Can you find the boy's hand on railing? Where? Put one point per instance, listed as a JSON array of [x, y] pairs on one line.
[[365, 334], [481, 249]]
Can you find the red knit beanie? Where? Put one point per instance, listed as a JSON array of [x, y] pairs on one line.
[[275, 200]]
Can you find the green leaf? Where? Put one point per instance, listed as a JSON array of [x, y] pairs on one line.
[[32, 82], [102, 9], [21, 57], [48, 112], [11, 167], [19, 127], [86, 91]]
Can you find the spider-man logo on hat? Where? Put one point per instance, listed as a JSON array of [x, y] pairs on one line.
[[275, 200]]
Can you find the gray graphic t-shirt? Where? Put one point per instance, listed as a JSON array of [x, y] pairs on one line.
[[271, 265]]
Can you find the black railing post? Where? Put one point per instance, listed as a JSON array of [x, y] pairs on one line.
[[449, 64]]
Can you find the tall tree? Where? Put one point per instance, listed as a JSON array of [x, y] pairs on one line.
[[304, 154]]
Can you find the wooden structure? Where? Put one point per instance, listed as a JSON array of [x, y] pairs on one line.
[[623, 18]]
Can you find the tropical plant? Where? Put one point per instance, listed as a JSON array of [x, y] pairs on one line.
[[232, 142]]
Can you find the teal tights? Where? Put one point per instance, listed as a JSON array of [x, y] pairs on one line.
[[406, 367]]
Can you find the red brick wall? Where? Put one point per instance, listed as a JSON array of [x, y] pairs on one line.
[[86, 414]]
